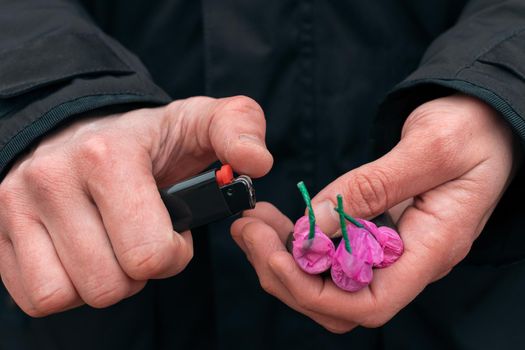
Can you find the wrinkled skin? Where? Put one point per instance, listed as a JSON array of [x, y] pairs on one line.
[[81, 218], [455, 158]]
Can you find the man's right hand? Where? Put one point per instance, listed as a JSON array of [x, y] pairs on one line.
[[81, 218]]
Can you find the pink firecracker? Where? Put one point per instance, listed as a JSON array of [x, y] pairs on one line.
[[353, 271], [388, 239], [313, 256]]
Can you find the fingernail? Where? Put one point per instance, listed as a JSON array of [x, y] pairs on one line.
[[252, 139], [326, 217]]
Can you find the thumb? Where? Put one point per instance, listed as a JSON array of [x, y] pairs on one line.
[[422, 160], [229, 129]]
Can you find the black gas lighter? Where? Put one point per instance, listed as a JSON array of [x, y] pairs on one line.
[[207, 197]]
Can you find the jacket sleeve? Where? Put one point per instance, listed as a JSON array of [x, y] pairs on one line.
[[56, 64], [482, 55]]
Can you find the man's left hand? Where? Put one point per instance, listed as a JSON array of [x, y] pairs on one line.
[[455, 159]]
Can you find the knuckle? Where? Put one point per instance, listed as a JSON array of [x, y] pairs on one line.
[[267, 285], [446, 142], [31, 311], [22, 302], [380, 311], [368, 193], [95, 150], [42, 174], [242, 102], [438, 246], [306, 300], [48, 180], [243, 105], [147, 260], [376, 320], [250, 240], [175, 107], [46, 301], [337, 327], [459, 251], [436, 242], [444, 146], [105, 294], [25, 305], [183, 107]]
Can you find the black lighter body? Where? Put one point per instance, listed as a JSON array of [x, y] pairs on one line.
[[208, 197]]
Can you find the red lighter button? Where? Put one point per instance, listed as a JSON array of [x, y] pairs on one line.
[[224, 175]]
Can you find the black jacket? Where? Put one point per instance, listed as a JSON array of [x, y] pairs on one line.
[[320, 69]]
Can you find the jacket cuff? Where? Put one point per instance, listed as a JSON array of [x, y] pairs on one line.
[[63, 76], [495, 77]]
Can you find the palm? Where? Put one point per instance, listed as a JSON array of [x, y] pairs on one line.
[[454, 159]]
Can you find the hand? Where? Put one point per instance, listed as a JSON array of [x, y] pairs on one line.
[[455, 158], [81, 219]]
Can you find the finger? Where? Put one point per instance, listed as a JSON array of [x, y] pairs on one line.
[[264, 246], [281, 260], [437, 230], [80, 239], [264, 251], [45, 281], [273, 217], [421, 161], [312, 292], [40, 284], [237, 229], [266, 213], [233, 129], [237, 134], [10, 273], [136, 220]]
